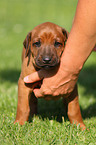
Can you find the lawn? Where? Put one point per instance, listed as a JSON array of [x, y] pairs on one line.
[[51, 126]]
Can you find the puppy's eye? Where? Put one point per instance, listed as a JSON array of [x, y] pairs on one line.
[[37, 44], [57, 44]]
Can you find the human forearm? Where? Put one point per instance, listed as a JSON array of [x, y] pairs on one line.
[[82, 37]]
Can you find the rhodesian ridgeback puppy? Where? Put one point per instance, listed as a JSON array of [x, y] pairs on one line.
[[43, 48]]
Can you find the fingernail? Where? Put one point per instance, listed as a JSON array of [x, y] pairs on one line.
[[25, 79]]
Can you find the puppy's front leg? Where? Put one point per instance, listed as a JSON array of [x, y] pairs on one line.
[[27, 104], [74, 112]]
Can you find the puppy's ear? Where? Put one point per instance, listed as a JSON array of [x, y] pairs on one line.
[[27, 43], [65, 33]]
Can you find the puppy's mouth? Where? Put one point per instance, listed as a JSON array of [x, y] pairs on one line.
[[47, 65]]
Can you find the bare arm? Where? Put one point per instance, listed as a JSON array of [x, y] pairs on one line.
[[82, 37]]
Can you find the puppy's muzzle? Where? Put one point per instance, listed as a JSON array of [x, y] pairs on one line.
[[47, 61]]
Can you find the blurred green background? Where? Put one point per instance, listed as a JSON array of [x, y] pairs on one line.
[[17, 18]]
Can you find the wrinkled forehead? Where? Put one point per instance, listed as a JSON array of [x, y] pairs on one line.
[[47, 32]]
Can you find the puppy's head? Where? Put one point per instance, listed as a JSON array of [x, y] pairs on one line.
[[46, 43]]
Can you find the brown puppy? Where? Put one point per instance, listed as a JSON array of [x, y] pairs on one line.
[[43, 48]]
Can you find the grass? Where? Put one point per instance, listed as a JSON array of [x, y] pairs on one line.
[[51, 125]]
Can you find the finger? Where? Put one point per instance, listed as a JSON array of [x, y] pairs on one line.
[[36, 76], [38, 93]]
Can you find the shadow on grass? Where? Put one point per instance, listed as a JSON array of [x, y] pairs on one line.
[[87, 79], [89, 112], [52, 110], [10, 75]]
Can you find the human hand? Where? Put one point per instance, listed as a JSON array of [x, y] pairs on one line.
[[54, 83]]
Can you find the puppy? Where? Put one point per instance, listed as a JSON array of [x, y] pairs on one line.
[[43, 48]]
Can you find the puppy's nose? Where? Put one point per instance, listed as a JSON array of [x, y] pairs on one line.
[[46, 59]]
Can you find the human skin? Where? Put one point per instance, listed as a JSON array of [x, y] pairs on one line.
[[80, 43]]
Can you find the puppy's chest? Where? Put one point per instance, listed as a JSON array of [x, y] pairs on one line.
[[27, 69]]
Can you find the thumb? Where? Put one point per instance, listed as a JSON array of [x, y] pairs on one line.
[[34, 77]]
